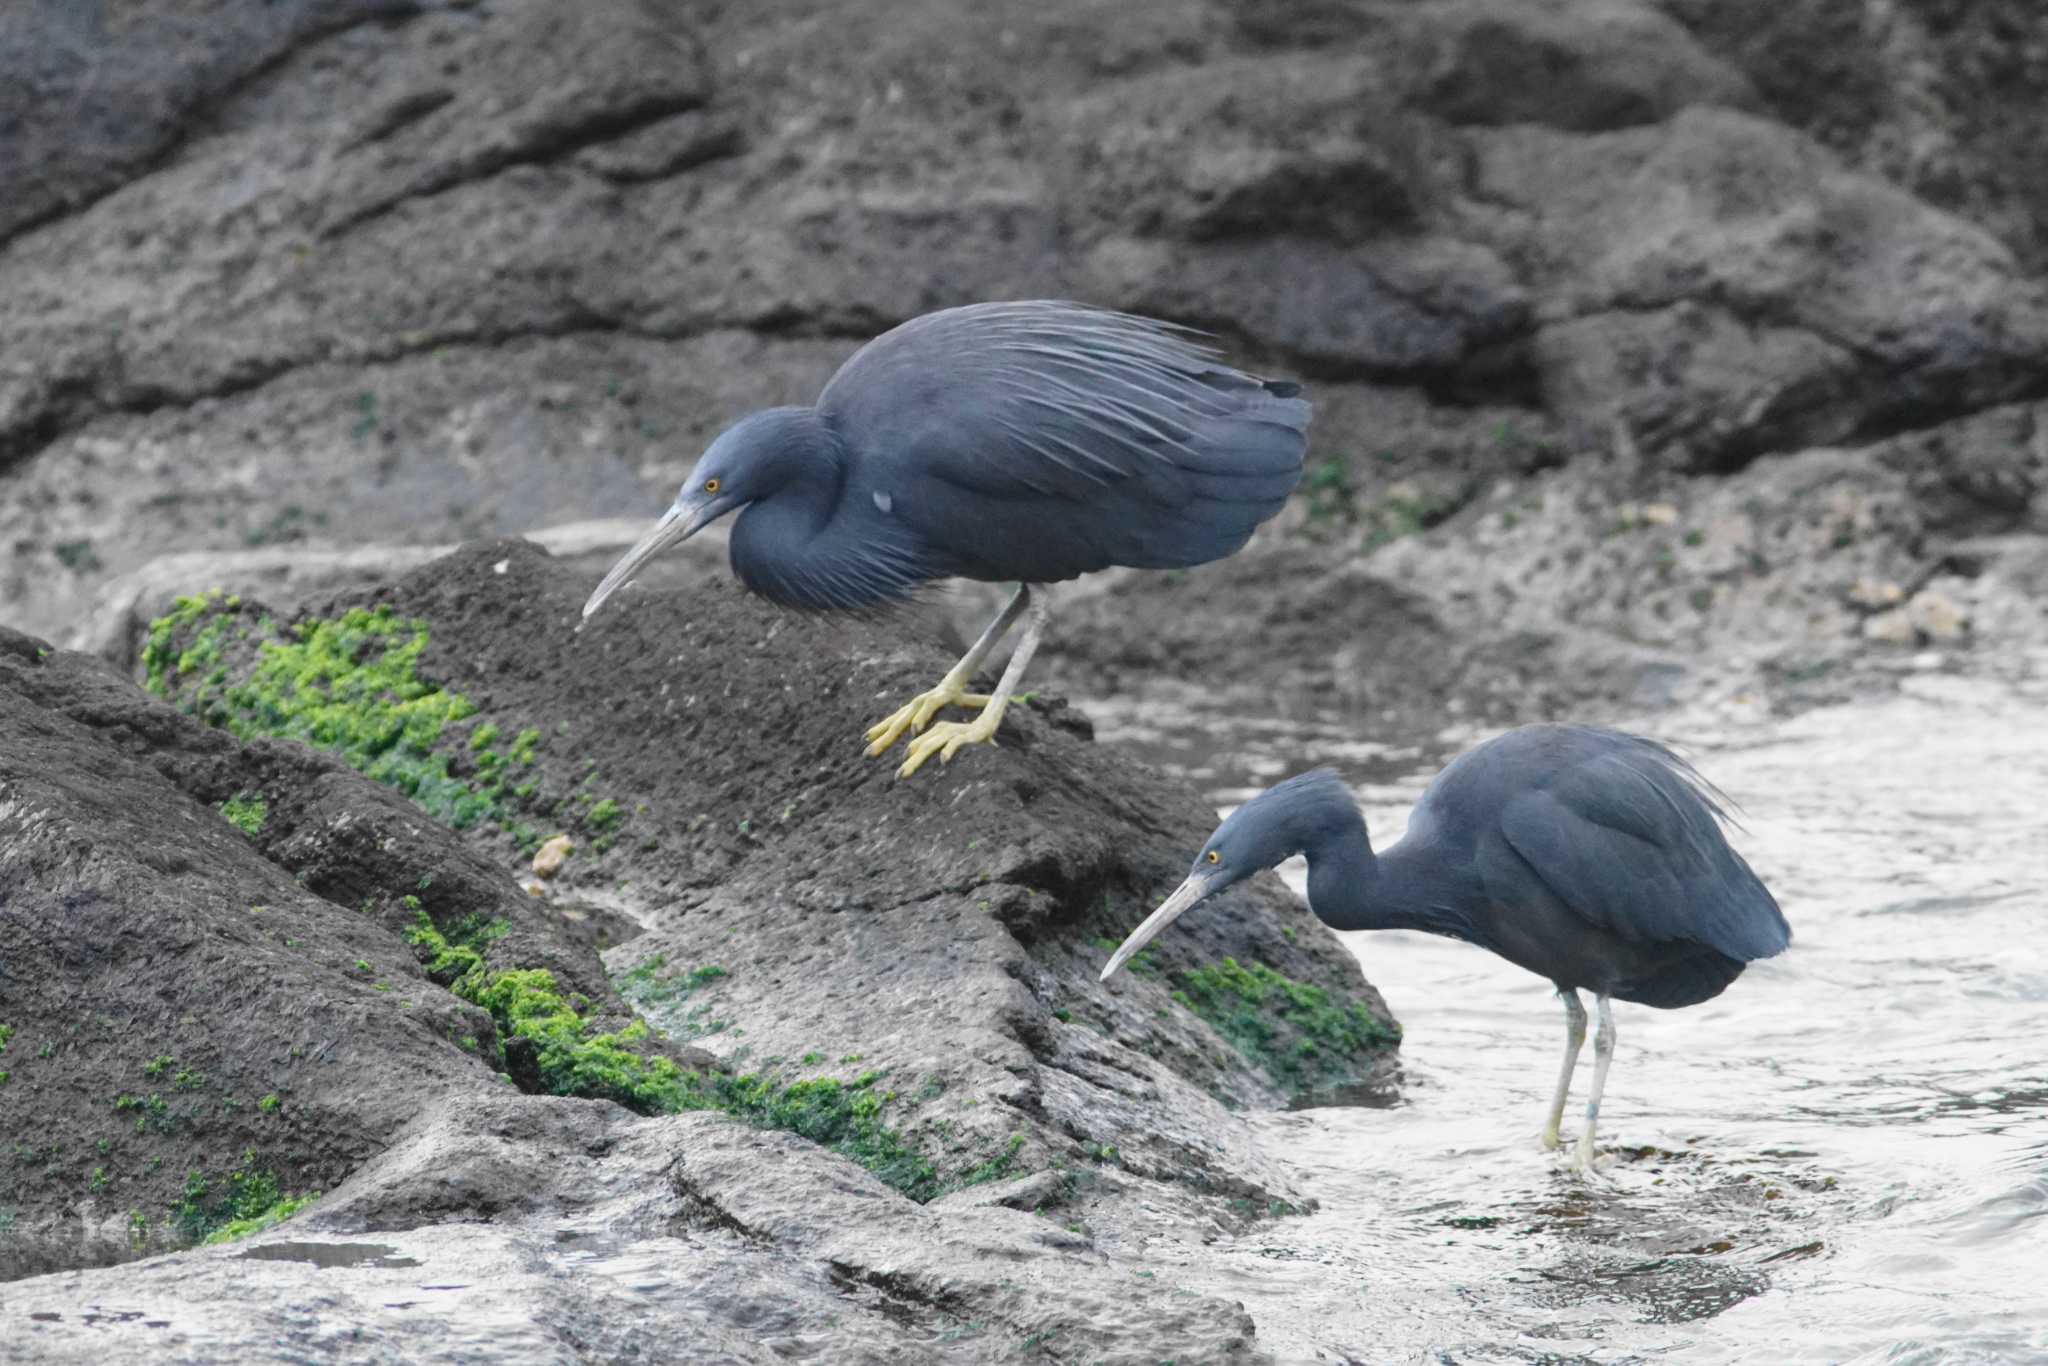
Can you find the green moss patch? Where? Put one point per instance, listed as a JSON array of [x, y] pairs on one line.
[[245, 1201], [1298, 1033], [349, 685], [572, 1057], [246, 812]]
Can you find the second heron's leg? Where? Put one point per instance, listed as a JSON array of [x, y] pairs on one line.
[[1574, 1038], [946, 737], [1603, 1054], [917, 713]]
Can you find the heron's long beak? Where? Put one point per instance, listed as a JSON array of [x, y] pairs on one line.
[[1184, 896], [677, 524]]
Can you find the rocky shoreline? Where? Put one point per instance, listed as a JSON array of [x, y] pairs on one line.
[[271, 976], [1666, 353]]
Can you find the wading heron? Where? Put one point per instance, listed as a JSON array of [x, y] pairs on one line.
[[1590, 857], [1020, 442]]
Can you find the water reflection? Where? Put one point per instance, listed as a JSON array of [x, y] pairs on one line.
[[1843, 1158]]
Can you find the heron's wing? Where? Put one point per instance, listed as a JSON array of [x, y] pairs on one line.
[[1630, 838], [1060, 400]]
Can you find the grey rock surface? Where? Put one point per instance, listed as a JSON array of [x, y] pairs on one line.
[[347, 274]]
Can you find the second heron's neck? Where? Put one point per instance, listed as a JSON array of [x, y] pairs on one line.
[[1352, 888]]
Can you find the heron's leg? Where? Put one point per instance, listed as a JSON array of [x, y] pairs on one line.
[[917, 713], [1603, 1053], [946, 737], [1574, 1038]]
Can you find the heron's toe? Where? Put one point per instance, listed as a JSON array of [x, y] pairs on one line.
[[916, 714], [1550, 1140], [945, 739], [1586, 1165], [884, 733]]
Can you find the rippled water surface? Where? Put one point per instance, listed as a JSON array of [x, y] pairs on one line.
[[1842, 1158]]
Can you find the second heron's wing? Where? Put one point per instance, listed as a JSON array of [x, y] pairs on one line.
[[1629, 839]]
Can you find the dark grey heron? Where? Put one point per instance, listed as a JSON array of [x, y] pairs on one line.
[[1021, 442], [1590, 857]]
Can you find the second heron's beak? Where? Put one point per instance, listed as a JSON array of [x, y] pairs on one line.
[[1184, 896], [679, 523]]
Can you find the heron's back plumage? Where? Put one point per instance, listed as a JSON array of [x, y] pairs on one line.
[[1039, 440]]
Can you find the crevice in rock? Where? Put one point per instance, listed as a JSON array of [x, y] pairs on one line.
[[69, 410], [544, 144], [901, 1298]]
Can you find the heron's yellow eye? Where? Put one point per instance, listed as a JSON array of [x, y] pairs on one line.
[[1215, 857], [711, 486]]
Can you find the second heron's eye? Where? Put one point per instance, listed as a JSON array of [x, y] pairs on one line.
[[711, 486], [1215, 857]]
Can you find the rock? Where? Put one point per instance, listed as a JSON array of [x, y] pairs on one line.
[[1587, 67], [547, 860], [1944, 100], [286, 575], [1891, 627], [535, 1227], [351, 274], [1936, 616], [205, 966], [1720, 287], [835, 934], [89, 103], [1874, 593]]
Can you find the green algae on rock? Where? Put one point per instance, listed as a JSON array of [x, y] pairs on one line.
[[348, 685], [1299, 1033], [565, 1054], [247, 1200], [246, 812]]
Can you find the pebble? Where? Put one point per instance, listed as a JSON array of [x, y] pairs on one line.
[[1869, 592], [547, 860], [1891, 628], [1935, 615]]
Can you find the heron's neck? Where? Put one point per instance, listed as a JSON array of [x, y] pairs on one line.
[[807, 544], [803, 465], [1352, 888]]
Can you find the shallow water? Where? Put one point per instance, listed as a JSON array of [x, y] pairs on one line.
[[1842, 1158]]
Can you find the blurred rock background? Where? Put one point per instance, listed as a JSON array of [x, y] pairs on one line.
[[1657, 344]]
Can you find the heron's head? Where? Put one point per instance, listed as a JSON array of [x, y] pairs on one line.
[[750, 460], [1280, 822]]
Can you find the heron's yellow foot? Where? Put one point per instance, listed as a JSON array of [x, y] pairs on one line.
[[945, 739], [1585, 1165], [918, 712], [1550, 1139]]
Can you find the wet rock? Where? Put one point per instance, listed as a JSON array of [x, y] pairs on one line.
[[817, 943], [607, 1235]]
